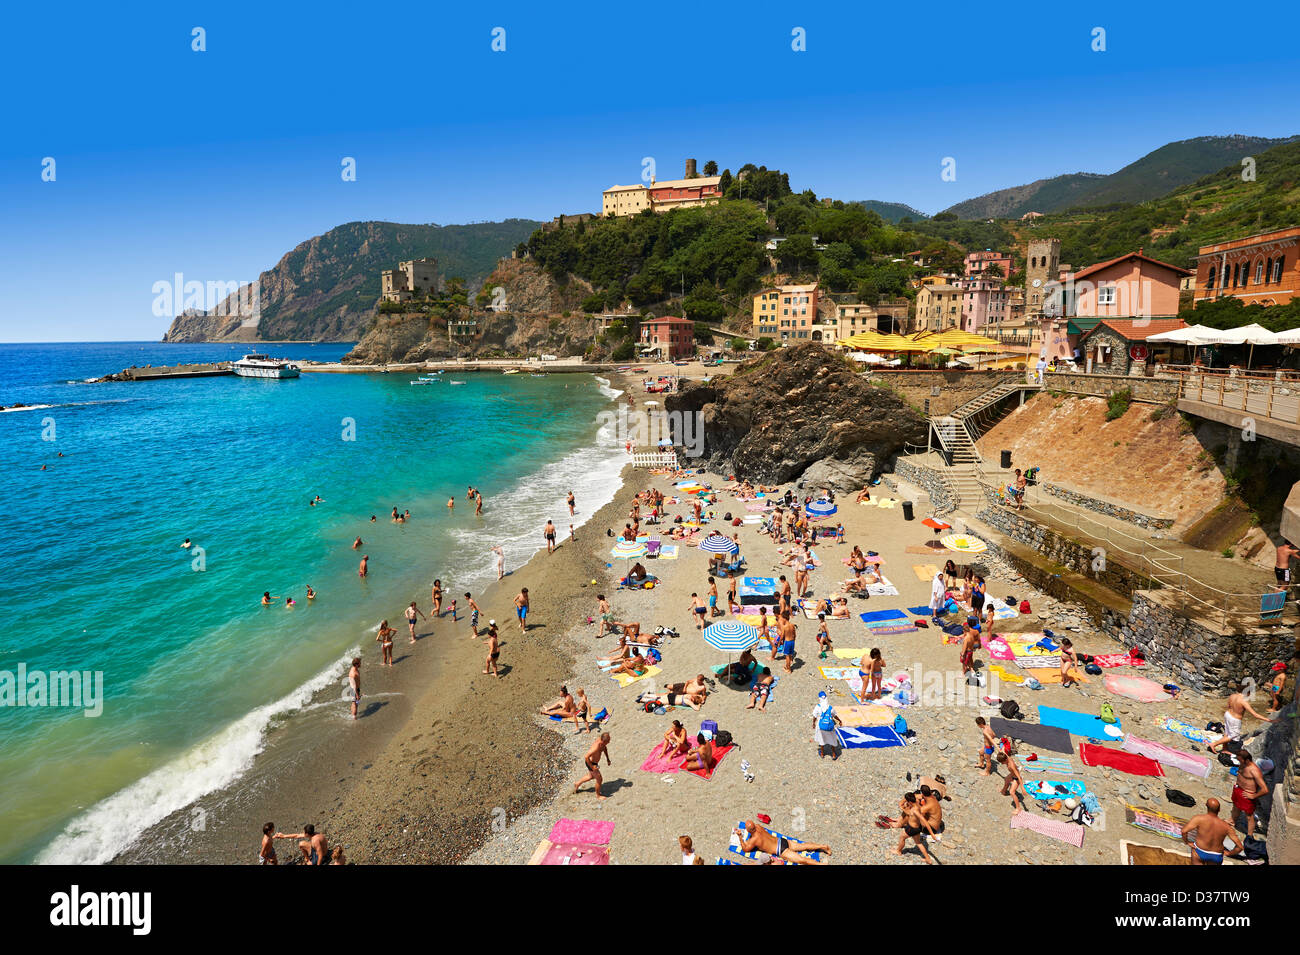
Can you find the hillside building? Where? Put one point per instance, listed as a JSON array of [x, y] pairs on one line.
[[418, 276], [1260, 269]]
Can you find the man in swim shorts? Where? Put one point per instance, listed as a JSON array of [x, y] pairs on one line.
[[549, 534], [754, 838], [987, 741], [1207, 847], [698, 608], [473, 615], [1238, 707], [1247, 792], [521, 609], [1282, 566]]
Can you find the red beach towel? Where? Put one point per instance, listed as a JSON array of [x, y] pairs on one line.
[[719, 754], [1111, 660], [1134, 764]]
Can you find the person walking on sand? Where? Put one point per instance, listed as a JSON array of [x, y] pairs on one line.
[[1013, 784], [988, 743], [364, 568], [592, 760], [699, 610], [825, 724], [354, 684], [501, 560], [605, 613], [493, 650], [1238, 707], [411, 613], [549, 533], [1207, 846], [1068, 662], [521, 609], [572, 505], [385, 640], [473, 615]]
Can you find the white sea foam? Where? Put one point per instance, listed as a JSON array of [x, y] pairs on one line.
[[108, 827]]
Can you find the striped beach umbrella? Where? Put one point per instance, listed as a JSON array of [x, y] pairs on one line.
[[820, 509], [628, 549], [731, 636], [719, 544], [968, 545]]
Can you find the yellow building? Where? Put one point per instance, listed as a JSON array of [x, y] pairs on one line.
[[938, 307], [624, 200], [787, 312]]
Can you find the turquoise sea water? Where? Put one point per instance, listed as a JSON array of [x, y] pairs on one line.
[[194, 668]]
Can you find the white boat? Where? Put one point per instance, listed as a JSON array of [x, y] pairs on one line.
[[510, 371], [263, 366], [455, 382]]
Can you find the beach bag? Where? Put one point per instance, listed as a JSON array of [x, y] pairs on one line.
[[900, 726], [1255, 849], [1031, 683], [1179, 798], [654, 656], [709, 726], [1024, 606], [1107, 713], [723, 739], [1214, 727], [1092, 669], [1010, 710], [826, 720]]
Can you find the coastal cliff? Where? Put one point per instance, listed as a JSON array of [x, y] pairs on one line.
[[539, 315], [799, 413], [325, 289]]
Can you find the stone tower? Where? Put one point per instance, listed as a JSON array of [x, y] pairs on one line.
[[1042, 265], [690, 169]]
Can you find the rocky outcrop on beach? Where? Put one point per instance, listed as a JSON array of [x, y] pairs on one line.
[[537, 316], [799, 413]]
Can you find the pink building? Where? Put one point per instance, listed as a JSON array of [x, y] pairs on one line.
[[1131, 286], [978, 262], [984, 303], [672, 336]]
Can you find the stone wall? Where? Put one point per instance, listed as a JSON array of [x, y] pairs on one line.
[[1154, 390], [941, 499], [1282, 746], [1199, 656], [1108, 508], [955, 387]]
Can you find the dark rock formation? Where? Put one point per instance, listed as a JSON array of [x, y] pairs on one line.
[[799, 413]]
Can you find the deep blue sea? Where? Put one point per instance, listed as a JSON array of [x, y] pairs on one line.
[[193, 667]]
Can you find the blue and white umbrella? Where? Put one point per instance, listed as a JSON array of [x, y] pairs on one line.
[[717, 543], [821, 509], [731, 636]]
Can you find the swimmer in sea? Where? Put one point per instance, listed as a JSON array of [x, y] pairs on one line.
[[363, 569], [289, 603], [451, 504], [356, 544], [186, 545], [267, 598], [311, 594]]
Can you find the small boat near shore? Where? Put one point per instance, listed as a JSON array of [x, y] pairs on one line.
[[455, 382], [263, 366]]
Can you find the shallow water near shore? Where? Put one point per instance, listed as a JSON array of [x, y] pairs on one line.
[[194, 669]]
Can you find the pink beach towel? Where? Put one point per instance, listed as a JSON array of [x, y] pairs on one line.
[[997, 648], [585, 831], [1168, 756], [1135, 688], [1132, 763], [1109, 660], [577, 854], [1067, 832], [654, 763]]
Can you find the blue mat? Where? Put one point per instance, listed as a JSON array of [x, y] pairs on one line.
[[1046, 788], [882, 615], [1079, 724], [923, 611], [869, 737]]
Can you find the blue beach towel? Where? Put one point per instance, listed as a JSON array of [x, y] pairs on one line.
[[922, 611], [1047, 788], [869, 737], [875, 615], [1079, 724]]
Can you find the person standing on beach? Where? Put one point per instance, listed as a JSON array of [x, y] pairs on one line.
[[493, 650], [786, 629], [435, 595], [713, 598], [501, 560], [521, 609], [354, 683], [571, 504], [549, 534], [987, 743], [364, 568], [1249, 789], [1013, 784], [473, 614], [1282, 566], [385, 640], [411, 613], [266, 854], [699, 610], [1207, 846], [598, 749], [1068, 662]]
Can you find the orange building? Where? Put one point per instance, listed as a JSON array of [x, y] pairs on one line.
[[1260, 269]]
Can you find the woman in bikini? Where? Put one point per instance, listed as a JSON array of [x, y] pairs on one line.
[[877, 671], [436, 595], [385, 640], [674, 741]]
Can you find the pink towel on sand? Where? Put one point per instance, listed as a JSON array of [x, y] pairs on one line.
[[587, 831], [1168, 756], [997, 648], [577, 853], [1067, 832], [654, 763], [1110, 660]]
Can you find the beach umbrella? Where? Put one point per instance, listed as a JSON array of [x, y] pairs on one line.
[[628, 549], [821, 509], [717, 543], [731, 636], [652, 404], [968, 545]]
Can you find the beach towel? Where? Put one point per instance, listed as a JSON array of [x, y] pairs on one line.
[[1080, 724], [1004, 674], [1109, 660], [893, 631], [1136, 853], [1051, 788], [1001, 610], [589, 831], [997, 647], [655, 763], [869, 737], [1188, 731], [1034, 735], [838, 673], [719, 754], [851, 653], [1135, 688], [1047, 764], [1035, 661], [882, 589], [886, 502], [1067, 832], [864, 714], [627, 679], [874, 615], [921, 611], [668, 552], [1188, 762], [569, 853], [1152, 821], [924, 571], [1134, 764], [751, 519]]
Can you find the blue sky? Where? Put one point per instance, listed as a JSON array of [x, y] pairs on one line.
[[215, 164]]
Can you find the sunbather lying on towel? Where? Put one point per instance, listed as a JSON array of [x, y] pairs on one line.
[[693, 700], [694, 685], [754, 838], [635, 665], [761, 690], [563, 707]]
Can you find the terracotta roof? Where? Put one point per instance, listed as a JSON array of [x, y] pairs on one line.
[[1137, 329], [1132, 255]]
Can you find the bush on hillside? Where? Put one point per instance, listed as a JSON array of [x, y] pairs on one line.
[[1117, 403]]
